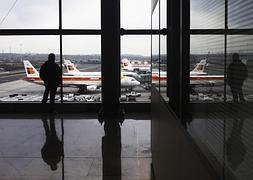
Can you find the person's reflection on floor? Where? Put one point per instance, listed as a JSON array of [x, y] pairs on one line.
[[52, 150], [234, 146], [111, 151]]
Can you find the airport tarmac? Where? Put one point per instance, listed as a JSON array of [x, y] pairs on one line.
[[22, 91], [13, 88]]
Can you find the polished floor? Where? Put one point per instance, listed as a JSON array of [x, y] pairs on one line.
[[73, 147]]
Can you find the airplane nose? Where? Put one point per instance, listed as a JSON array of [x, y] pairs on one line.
[[138, 83]]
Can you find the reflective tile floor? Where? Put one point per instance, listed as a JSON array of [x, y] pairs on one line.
[[73, 147]]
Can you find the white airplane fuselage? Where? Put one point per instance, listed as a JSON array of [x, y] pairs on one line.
[[195, 79], [90, 80]]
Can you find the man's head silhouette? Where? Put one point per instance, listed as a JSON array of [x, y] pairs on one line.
[[235, 57], [51, 57]]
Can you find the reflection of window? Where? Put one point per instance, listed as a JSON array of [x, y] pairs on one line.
[[240, 14], [206, 14]]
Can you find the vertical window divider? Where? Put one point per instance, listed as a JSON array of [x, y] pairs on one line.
[[60, 30], [225, 89]]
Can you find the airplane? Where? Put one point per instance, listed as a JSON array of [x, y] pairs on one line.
[[88, 82], [197, 76], [135, 66], [73, 71]]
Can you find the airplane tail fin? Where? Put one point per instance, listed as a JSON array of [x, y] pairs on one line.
[[126, 63], [70, 66], [30, 70], [200, 67]]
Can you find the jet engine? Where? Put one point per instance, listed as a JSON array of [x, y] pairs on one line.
[[91, 88]]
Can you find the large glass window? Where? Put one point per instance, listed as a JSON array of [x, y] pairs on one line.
[[78, 48], [207, 14], [207, 68], [82, 68], [163, 50], [156, 47], [135, 14], [159, 48], [240, 14], [242, 45], [135, 68], [79, 14], [21, 58], [29, 14], [135, 51], [220, 117]]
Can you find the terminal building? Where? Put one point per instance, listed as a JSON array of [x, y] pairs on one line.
[[150, 90]]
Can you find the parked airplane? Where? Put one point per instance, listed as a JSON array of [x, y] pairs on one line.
[[73, 71], [197, 76], [90, 82], [135, 66]]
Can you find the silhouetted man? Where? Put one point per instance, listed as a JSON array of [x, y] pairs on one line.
[[50, 73], [237, 73], [52, 151]]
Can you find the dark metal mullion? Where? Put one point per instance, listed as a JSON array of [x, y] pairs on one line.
[[139, 31], [151, 50], [60, 31], [225, 88], [221, 31], [63, 153], [159, 48], [49, 32], [16, 32], [75, 32], [225, 49]]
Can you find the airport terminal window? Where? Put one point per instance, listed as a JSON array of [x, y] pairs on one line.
[[135, 14], [135, 68], [79, 14], [240, 14], [155, 51], [207, 68], [135, 51], [21, 58], [163, 50], [82, 63], [222, 130], [159, 48], [163, 66], [241, 44], [207, 14], [43, 20], [29, 14], [40, 22]]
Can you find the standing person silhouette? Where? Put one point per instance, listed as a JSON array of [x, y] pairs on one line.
[[50, 73], [237, 73]]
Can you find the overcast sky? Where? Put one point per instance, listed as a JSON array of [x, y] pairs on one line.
[[84, 14], [134, 14]]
